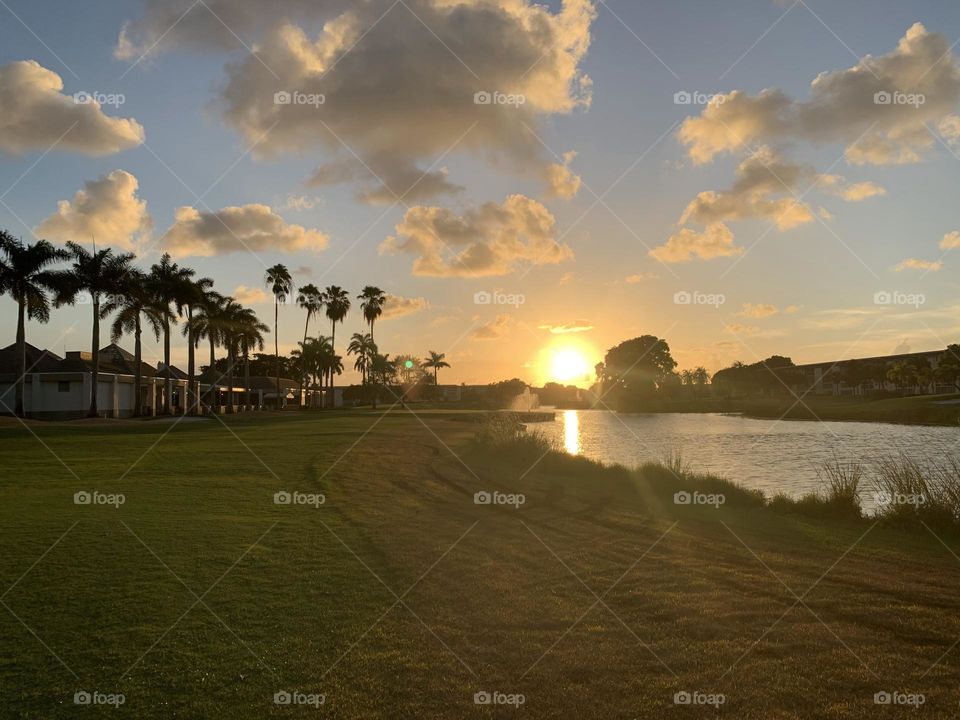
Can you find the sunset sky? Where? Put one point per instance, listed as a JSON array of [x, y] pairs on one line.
[[809, 210]]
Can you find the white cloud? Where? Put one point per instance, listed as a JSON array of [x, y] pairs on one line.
[[563, 183], [236, 229], [758, 311], [716, 241], [107, 210], [638, 278], [400, 93], [846, 106], [918, 264], [577, 326], [949, 129], [252, 296], [493, 330], [484, 241], [950, 241], [36, 115], [398, 307]]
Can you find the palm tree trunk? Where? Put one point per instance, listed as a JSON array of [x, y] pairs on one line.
[[168, 383], [213, 370], [303, 372], [137, 354], [95, 353], [333, 344], [246, 377], [230, 356], [21, 359], [276, 344], [193, 401]]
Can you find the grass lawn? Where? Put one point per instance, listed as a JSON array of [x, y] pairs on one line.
[[399, 597]]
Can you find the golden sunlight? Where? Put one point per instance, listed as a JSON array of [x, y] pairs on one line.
[[569, 361]]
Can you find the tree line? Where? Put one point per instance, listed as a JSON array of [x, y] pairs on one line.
[[40, 276]]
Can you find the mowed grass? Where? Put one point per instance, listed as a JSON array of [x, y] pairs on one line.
[[401, 598]]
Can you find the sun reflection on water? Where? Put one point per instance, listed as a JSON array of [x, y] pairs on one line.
[[571, 432]]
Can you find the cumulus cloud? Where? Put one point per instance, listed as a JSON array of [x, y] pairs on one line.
[[36, 115], [235, 229], [399, 90], [487, 240], [638, 278], [398, 307], [949, 129], [739, 329], [757, 311], [563, 183], [951, 241], [577, 326], [918, 264], [716, 241], [107, 210], [251, 296], [878, 108], [492, 330]]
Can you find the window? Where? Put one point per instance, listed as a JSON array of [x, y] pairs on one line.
[[63, 386]]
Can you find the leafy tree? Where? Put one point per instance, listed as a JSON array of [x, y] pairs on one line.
[[635, 368], [948, 366]]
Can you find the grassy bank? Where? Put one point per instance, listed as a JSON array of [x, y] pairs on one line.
[[399, 596]]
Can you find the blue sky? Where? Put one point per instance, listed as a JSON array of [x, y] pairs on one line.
[[826, 271]]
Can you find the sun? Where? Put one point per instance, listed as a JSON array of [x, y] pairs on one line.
[[568, 364]]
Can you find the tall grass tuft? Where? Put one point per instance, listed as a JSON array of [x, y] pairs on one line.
[[838, 499], [910, 494]]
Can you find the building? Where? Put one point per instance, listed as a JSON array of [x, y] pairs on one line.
[[58, 388], [830, 378]]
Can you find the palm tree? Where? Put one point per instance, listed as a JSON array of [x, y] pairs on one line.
[[133, 304], [364, 348], [436, 361], [372, 302], [337, 301], [194, 295], [249, 335], [383, 371], [281, 285], [309, 298], [98, 273], [171, 285], [24, 276], [206, 324]]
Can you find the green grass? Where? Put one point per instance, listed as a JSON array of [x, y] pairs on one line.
[[492, 597]]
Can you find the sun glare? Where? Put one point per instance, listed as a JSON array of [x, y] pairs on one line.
[[568, 365]]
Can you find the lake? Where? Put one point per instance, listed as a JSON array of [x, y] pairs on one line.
[[771, 455]]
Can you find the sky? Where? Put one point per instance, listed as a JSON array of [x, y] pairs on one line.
[[530, 183]]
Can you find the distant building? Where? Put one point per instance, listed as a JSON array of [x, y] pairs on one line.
[[826, 378]]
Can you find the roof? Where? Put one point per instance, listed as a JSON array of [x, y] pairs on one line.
[[37, 360], [882, 358]]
